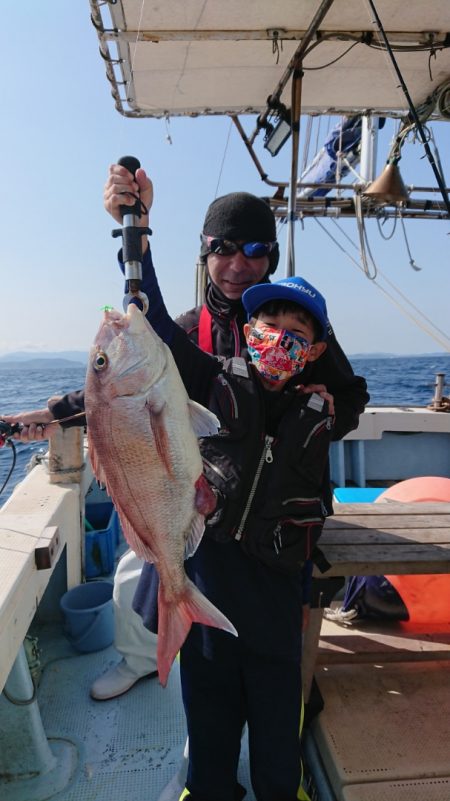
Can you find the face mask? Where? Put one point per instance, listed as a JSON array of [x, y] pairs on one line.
[[277, 354]]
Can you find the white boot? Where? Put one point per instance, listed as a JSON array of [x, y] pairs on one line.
[[173, 790], [116, 681]]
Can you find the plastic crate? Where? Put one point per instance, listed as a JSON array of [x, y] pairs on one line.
[[101, 537], [357, 494]]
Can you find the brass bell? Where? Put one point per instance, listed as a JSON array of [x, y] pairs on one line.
[[388, 187]]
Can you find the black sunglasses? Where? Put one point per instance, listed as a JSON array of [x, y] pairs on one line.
[[225, 247]]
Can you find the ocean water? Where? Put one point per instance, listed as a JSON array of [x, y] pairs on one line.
[[24, 390], [398, 381]]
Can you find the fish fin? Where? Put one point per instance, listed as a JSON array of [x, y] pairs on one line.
[[175, 620], [140, 548], [205, 498], [194, 535], [204, 422], [161, 439]]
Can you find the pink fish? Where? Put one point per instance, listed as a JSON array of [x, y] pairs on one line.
[[142, 435]]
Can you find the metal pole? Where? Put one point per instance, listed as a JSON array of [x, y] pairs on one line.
[[369, 141], [292, 205]]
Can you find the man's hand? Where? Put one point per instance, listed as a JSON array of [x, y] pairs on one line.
[[321, 390], [121, 181], [33, 424]]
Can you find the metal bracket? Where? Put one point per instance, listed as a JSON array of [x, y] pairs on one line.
[[47, 548]]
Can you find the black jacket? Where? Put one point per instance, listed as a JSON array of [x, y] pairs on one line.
[[332, 369], [267, 466]]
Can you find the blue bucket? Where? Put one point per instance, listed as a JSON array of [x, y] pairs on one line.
[[88, 613]]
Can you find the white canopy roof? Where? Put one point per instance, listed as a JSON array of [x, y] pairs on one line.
[[188, 57]]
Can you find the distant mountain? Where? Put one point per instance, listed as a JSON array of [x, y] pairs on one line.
[[366, 356], [66, 356], [374, 356], [42, 363]]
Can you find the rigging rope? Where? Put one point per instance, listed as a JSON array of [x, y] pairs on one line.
[[444, 343], [385, 278], [411, 260], [364, 249]]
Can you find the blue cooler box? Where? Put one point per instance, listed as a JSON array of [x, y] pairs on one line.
[[101, 538]]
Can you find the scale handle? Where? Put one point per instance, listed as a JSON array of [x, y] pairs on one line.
[[131, 164]]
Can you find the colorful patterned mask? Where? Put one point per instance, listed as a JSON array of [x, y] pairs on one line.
[[277, 353]]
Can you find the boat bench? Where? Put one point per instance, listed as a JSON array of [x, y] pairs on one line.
[[368, 539]]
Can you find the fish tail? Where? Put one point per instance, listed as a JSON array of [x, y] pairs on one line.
[[175, 620]]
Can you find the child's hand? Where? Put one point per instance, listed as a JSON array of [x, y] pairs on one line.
[[321, 390]]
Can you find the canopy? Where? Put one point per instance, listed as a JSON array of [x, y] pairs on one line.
[[189, 57]]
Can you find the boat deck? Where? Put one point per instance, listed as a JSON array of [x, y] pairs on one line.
[[129, 748]]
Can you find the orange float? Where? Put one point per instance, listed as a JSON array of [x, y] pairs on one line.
[[426, 597]]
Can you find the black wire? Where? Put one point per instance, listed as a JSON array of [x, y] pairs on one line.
[[431, 49], [11, 445], [322, 67]]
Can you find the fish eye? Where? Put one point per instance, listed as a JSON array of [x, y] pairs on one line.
[[100, 361]]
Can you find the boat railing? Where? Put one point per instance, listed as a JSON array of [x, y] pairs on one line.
[[40, 523]]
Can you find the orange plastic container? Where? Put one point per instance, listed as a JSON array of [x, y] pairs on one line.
[[426, 597]]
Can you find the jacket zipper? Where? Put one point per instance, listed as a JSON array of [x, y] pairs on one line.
[[233, 400], [323, 423], [299, 500], [216, 469], [266, 456]]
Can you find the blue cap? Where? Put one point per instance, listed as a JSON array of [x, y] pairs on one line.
[[294, 289]]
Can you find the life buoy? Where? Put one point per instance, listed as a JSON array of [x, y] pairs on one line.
[[426, 597]]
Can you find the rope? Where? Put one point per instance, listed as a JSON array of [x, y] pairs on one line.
[[444, 343], [386, 279], [394, 226], [364, 250], [411, 260]]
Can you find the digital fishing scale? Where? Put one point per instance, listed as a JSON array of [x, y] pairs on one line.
[[131, 235]]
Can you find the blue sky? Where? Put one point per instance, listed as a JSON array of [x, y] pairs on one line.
[[59, 133]]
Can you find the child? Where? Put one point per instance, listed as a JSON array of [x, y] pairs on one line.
[[266, 466]]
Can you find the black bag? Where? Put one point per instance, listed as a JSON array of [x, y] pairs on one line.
[[374, 597]]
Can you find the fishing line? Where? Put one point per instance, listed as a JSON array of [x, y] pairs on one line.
[[186, 55], [223, 158], [10, 444], [133, 51]]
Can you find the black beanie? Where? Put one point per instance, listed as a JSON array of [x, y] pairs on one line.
[[241, 216]]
